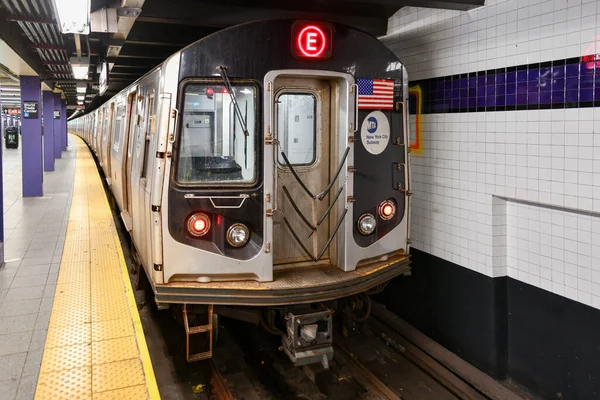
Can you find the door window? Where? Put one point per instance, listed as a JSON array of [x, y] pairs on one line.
[[297, 128], [148, 131], [118, 125]]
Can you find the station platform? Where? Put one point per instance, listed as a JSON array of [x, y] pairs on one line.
[[69, 324]]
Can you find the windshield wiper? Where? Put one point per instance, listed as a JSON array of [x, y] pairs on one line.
[[238, 112]]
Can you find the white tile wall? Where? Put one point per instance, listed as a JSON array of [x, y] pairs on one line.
[[547, 158]]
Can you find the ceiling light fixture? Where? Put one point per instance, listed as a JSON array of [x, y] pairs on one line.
[[73, 16], [80, 66]]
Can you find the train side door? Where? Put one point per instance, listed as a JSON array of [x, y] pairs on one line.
[[302, 124], [132, 123], [107, 141], [101, 126]]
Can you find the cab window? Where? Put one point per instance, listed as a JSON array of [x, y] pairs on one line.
[[213, 147]]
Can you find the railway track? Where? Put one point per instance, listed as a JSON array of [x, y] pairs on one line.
[[380, 362]]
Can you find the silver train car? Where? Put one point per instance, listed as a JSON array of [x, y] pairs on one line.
[[264, 165]]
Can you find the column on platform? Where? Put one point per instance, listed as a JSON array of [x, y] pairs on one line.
[[31, 136], [57, 131], [63, 123], [48, 130], [2, 126]]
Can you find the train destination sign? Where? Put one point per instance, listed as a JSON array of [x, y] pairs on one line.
[[30, 109]]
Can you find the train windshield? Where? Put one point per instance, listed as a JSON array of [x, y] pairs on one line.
[[214, 149]]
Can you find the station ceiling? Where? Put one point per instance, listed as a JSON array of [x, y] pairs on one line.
[[151, 30]]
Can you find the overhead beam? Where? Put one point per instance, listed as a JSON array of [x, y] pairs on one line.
[[47, 21], [47, 47], [11, 34], [168, 33], [223, 15], [462, 5], [144, 43]]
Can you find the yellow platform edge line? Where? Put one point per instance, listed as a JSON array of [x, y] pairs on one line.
[[151, 384]]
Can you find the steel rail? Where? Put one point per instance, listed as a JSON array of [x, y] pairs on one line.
[[362, 374]]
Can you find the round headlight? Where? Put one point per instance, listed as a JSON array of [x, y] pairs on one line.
[[366, 224], [238, 235]]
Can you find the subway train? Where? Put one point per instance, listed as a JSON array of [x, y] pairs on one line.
[[265, 166]]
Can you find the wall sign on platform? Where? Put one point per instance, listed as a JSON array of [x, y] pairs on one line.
[[30, 109], [10, 111], [56, 114]]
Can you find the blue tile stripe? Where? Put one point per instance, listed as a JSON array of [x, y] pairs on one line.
[[567, 83]]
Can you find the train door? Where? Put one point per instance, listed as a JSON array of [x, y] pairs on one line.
[[132, 123], [303, 128], [101, 126], [107, 139]]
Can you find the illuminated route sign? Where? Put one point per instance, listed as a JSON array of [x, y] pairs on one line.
[[312, 40]]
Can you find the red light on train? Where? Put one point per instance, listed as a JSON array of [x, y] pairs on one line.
[[387, 210], [210, 91], [198, 224], [311, 40]]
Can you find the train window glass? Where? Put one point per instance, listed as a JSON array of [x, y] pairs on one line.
[[105, 127], [117, 127], [297, 128], [148, 131], [213, 147]]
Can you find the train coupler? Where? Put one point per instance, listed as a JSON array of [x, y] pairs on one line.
[[308, 338], [194, 330]]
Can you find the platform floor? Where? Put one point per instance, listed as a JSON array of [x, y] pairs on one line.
[[75, 317], [35, 230]]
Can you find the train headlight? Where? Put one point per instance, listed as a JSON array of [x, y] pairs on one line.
[[238, 235], [387, 210], [198, 224], [366, 224]]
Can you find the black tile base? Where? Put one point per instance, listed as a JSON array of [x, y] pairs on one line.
[[507, 328]]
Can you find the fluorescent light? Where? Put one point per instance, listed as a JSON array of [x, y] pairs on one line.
[[80, 103], [80, 71], [80, 66], [73, 16], [10, 89], [81, 97], [81, 89]]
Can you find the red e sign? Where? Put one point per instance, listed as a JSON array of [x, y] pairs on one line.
[[311, 40]]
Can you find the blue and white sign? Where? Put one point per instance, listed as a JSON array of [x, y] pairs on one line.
[[375, 132]]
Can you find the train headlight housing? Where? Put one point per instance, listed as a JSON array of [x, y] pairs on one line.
[[366, 224], [238, 235], [198, 224]]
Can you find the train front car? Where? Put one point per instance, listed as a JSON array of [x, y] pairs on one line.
[[288, 182]]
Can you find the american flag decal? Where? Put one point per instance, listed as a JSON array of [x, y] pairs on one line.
[[375, 93]]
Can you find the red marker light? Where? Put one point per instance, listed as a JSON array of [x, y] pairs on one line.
[[210, 91], [225, 91], [311, 40], [387, 210], [198, 224]]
